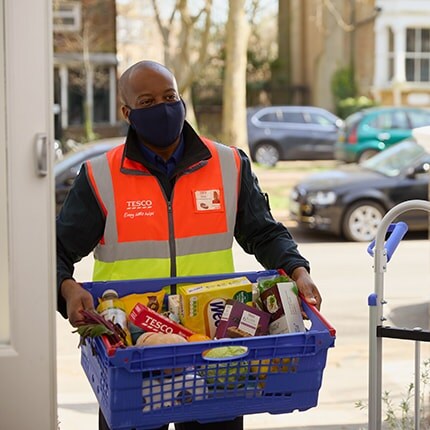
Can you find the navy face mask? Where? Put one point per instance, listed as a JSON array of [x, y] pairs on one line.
[[159, 125]]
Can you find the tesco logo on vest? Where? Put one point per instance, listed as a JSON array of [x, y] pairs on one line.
[[139, 204]]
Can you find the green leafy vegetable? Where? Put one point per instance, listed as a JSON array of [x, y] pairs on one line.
[[94, 325]]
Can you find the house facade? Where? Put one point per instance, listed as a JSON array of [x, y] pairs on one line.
[[85, 69], [402, 53], [386, 42]]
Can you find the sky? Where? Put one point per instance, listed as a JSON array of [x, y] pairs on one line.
[[220, 7]]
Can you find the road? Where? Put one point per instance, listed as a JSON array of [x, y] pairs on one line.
[[343, 272]]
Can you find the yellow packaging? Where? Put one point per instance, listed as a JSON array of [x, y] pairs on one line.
[[202, 305], [153, 300]]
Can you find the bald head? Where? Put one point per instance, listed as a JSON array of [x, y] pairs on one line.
[[145, 75]]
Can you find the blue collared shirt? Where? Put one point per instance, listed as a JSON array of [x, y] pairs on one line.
[[166, 166]]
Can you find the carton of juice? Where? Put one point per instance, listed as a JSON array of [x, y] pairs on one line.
[[202, 305]]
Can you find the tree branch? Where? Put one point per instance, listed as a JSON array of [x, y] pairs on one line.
[[164, 30], [337, 16]]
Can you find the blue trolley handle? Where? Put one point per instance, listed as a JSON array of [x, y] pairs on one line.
[[397, 232]]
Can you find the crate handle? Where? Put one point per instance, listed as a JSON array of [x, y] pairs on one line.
[[235, 355], [398, 231], [318, 314]]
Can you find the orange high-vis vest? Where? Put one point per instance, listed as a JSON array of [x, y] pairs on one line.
[[147, 236]]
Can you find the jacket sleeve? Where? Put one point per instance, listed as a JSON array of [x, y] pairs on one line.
[[79, 227], [257, 232]]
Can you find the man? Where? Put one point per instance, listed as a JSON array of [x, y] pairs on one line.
[[166, 203]]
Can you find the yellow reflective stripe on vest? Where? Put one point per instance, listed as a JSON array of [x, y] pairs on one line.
[[195, 264]]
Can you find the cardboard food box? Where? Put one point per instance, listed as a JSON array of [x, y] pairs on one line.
[[282, 303], [149, 320], [202, 305], [241, 320]]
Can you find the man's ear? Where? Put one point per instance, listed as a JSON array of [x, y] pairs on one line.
[[125, 110]]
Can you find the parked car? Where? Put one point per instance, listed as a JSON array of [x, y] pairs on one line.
[[351, 201], [369, 131], [67, 168], [291, 133]]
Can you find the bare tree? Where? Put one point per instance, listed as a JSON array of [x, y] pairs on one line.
[[234, 93], [185, 45]]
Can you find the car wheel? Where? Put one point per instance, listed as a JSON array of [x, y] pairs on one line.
[[361, 221], [365, 155], [267, 154]]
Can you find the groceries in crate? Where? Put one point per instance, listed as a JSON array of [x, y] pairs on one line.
[[221, 373], [262, 368], [154, 300], [152, 338], [279, 297], [198, 337], [241, 320], [226, 308], [164, 381], [201, 305], [112, 308], [94, 325], [173, 307], [165, 391], [149, 320]]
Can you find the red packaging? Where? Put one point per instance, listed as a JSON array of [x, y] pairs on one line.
[[149, 320]]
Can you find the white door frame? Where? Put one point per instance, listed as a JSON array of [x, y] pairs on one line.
[[28, 395]]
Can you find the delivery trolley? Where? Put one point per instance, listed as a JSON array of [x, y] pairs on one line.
[[382, 251], [147, 387]]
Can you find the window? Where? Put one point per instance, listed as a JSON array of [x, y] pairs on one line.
[[272, 117], [294, 117], [419, 119], [101, 94], [66, 16], [390, 120], [417, 54], [316, 118], [76, 96]]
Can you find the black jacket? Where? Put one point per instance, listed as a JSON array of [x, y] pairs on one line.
[[80, 223]]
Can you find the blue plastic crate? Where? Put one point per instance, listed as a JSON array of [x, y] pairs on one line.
[[143, 388]]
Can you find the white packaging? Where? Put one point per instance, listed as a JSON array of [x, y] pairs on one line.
[[173, 305], [167, 392], [282, 303]]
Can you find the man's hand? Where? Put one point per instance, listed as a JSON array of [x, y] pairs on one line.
[[306, 286], [77, 299]]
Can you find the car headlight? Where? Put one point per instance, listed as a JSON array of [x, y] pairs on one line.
[[294, 195], [322, 198]]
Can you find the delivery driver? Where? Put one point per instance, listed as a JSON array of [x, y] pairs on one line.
[[166, 203]]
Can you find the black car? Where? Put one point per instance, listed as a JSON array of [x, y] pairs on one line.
[[352, 200], [66, 169], [291, 133]]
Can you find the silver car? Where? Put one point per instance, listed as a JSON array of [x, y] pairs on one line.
[[278, 133]]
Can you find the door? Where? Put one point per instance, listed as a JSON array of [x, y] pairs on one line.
[[27, 277]]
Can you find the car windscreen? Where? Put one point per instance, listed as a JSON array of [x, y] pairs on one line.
[[395, 159]]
